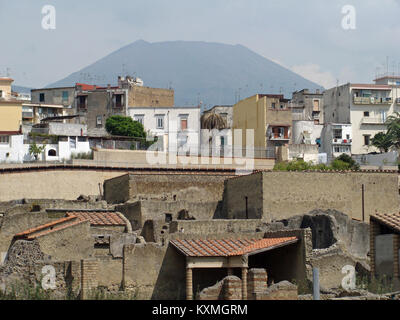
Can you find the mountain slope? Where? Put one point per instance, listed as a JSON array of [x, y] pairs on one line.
[[211, 72]]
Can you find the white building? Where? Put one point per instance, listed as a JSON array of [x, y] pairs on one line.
[[364, 106], [61, 141], [177, 128], [336, 139]]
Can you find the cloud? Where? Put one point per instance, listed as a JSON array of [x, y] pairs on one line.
[[314, 73]]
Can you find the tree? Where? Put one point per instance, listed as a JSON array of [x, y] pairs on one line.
[[382, 141], [35, 150], [344, 159], [125, 126], [393, 129]]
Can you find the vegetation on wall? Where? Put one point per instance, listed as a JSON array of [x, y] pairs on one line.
[[344, 162]]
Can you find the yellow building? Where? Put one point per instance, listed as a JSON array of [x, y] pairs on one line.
[[10, 111], [269, 116]]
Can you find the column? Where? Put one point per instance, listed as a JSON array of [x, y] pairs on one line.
[[373, 231], [189, 284], [244, 283], [396, 244]]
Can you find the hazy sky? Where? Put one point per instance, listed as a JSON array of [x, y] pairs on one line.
[[305, 36]]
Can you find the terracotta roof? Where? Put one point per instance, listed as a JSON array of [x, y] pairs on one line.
[[389, 220], [47, 228], [99, 218], [227, 247]]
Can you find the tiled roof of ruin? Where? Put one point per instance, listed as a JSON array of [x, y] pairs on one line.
[[228, 247], [47, 228], [389, 220], [99, 218]]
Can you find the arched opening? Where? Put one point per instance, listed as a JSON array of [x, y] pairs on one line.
[[52, 153]]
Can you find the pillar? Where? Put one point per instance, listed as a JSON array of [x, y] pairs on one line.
[[373, 232], [244, 283], [189, 284], [396, 244], [89, 281]]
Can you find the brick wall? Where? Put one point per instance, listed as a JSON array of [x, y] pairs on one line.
[[89, 280]]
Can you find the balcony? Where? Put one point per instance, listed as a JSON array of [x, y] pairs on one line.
[[342, 141], [27, 115], [369, 120], [372, 100]]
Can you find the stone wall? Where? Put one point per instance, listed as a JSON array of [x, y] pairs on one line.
[[176, 187], [285, 194], [150, 97], [72, 243], [154, 272], [53, 184]]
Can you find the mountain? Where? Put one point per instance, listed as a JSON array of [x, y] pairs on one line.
[[213, 73], [20, 89]]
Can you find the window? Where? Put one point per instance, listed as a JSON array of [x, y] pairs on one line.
[[139, 118], [52, 153], [118, 101], [273, 105], [72, 142], [99, 120], [184, 122], [366, 113], [337, 133], [82, 102], [1, 94], [367, 139], [4, 139], [347, 136], [65, 95], [41, 97], [341, 149], [160, 122], [82, 139], [316, 105]]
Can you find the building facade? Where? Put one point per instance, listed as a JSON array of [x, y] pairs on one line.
[[365, 106], [175, 127], [307, 106], [336, 139], [271, 119]]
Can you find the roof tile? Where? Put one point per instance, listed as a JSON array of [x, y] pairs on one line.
[[227, 247]]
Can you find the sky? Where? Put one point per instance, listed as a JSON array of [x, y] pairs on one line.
[[305, 36]]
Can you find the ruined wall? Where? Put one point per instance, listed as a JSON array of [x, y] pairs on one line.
[[286, 194], [242, 192], [204, 227], [72, 243], [16, 223], [54, 184], [189, 187], [110, 273], [154, 271]]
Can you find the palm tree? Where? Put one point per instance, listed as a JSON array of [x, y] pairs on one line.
[[393, 126], [212, 121], [382, 141]]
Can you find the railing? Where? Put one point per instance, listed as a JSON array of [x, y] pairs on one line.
[[368, 120], [372, 100], [342, 141], [27, 114]]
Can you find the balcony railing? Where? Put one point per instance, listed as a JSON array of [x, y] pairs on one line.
[[368, 120], [372, 100], [342, 141], [278, 137], [27, 115]]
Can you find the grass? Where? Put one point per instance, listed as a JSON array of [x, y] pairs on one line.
[[379, 285], [83, 155]]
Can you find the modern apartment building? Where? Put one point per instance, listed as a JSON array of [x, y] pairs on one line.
[[365, 107], [270, 117]]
